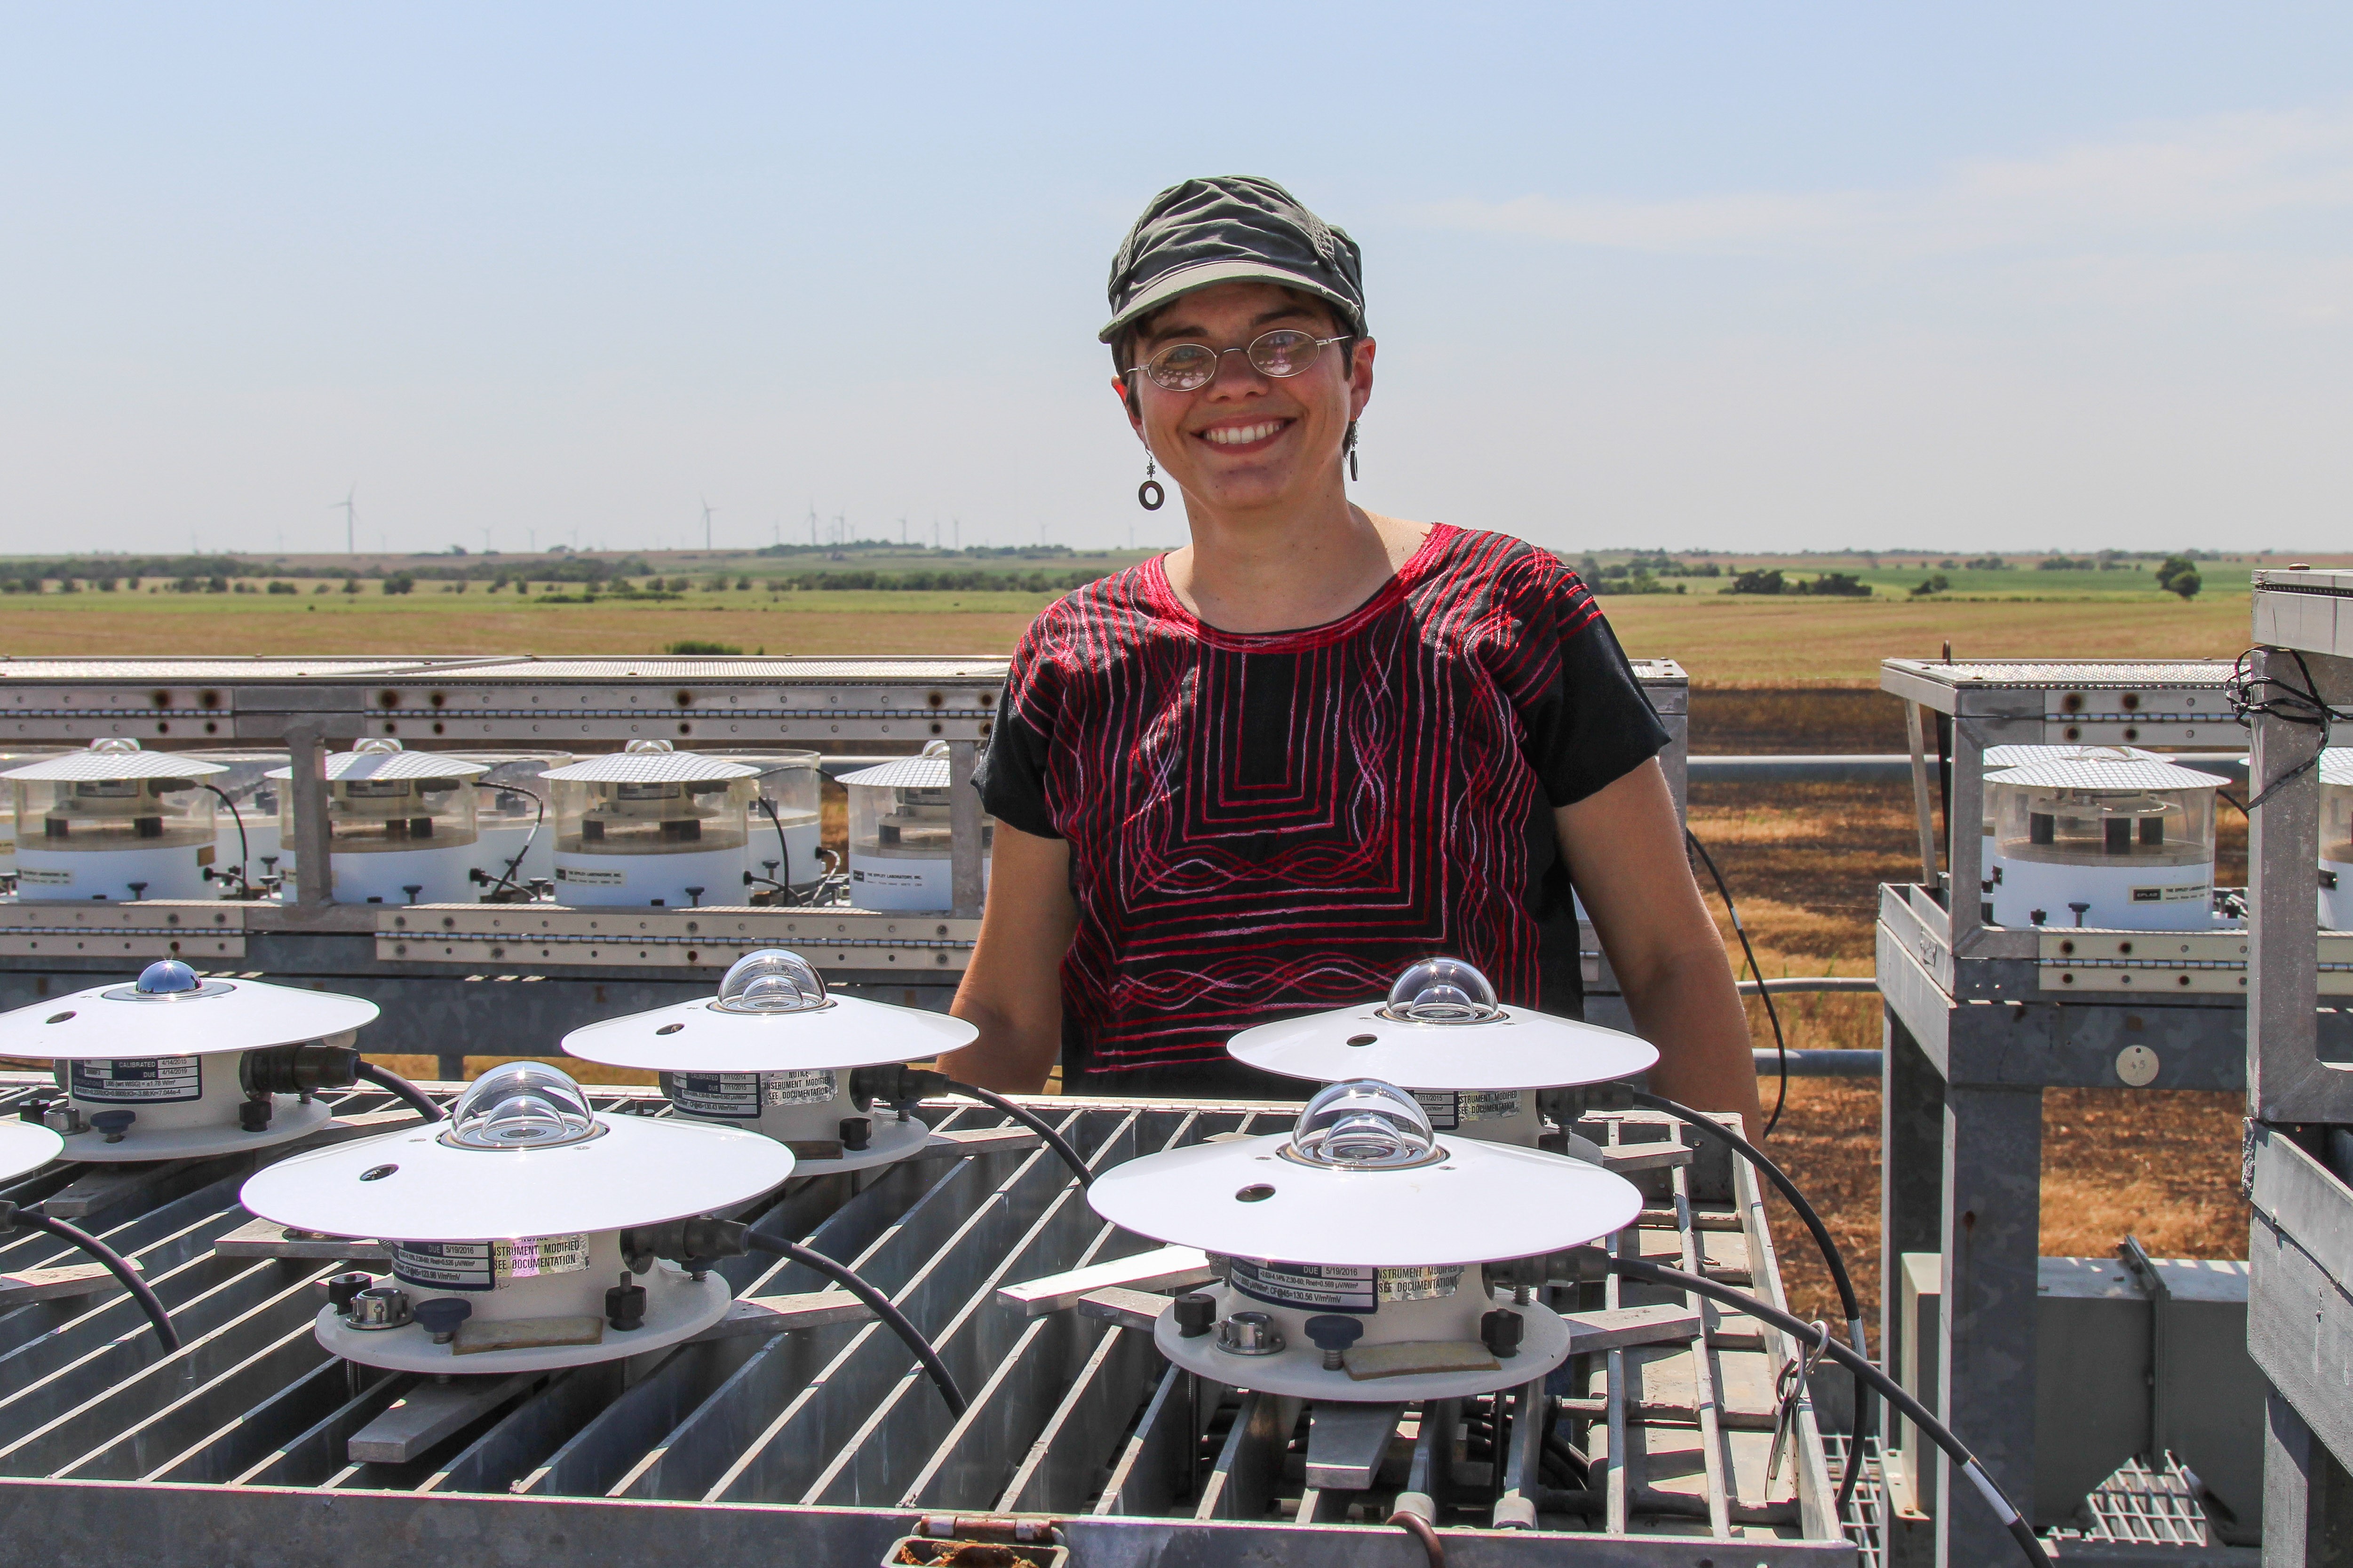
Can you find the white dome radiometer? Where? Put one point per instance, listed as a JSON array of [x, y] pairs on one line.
[[775, 1052], [146, 1074], [1352, 1250], [1441, 1029], [512, 1227]]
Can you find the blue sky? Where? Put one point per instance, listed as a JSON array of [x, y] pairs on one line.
[[1801, 275]]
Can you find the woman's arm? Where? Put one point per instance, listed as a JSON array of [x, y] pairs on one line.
[[1012, 991], [1626, 854]]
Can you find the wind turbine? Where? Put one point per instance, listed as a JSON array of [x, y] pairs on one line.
[[707, 509], [351, 535]]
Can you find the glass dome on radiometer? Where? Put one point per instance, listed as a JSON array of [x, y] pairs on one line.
[[523, 1105], [772, 980], [1363, 1124]]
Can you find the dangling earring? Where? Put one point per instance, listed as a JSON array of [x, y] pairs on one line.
[[1149, 495], [1349, 446]]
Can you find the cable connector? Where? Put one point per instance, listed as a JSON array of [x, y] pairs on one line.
[[894, 1084], [1566, 1107], [694, 1243]]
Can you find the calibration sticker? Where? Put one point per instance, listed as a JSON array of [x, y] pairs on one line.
[[156, 1080], [2188, 893], [741, 1096], [1448, 1109], [486, 1265], [591, 878], [1338, 1288]]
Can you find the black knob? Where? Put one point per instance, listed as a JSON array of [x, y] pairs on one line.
[[440, 1316], [625, 1305], [113, 1123], [1501, 1332], [856, 1133], [342, 1287], [1197, 1313], [1333, 1334], [253, 1115]]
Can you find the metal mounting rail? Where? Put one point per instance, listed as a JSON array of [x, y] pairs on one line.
[[825, 1443]]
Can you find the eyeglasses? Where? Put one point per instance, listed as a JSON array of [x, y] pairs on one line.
[[1188, 367]]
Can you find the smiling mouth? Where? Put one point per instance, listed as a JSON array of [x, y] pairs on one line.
[[1233, 436]]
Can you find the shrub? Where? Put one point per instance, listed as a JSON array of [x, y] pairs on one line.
[[1836, 585], [400, 582], [106, 585], [1758, 583], [2062, 564], [1986, 563], [216, 585], [697, 645], [676, 585], [2177, 576], [351, 584], [716, 584], [742, 585], [1936, 583], [287, 588]]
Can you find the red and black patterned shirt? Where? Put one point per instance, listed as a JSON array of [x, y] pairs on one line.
[[1270, 823]]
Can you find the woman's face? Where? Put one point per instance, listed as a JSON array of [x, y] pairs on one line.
[[1247, 440]]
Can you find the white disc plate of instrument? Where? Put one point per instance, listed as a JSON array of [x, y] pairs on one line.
[[410, 1185], [291, 1121], [696, 1036], [678, 1313], [1516, 1050], [111, 1022], [1297, 1370], [1482, 1203], [25, 1146]]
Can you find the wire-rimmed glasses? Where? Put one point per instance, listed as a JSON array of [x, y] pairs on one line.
[[1188, 367]]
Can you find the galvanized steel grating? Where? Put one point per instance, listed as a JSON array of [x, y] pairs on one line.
[[823, 1444]]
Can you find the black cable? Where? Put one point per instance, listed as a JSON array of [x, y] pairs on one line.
[[244, 851], [506, 878], [1035, 1123], [1772, 1015], [1854, 1361], [784, 884], [386, 1078], [842, 1275], [1849, 1301], [115, 1264], [2294, 705]]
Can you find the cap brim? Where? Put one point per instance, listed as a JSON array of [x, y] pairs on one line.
[[1206, 274]]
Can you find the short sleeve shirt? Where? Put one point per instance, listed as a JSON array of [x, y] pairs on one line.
[[1266, 825]]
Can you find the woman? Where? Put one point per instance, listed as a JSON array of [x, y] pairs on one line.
[[1262, 773]]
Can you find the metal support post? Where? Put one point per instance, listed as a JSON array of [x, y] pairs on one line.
[[963, 830], [1992, 1236], [1914, 732], [1965, 899], [314, 866], [1911, 1218], [2286, 1079], [2308, 1497]]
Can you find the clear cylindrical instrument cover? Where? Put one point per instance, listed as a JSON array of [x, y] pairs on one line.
[[606, 816], [793, 788], [114, 813], [2078, 827]]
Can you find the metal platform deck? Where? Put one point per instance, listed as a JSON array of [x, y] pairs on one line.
[[823, 1444]]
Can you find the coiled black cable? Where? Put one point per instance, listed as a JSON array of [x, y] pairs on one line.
[[1035, 1123], [842, 1273], [15, 1218], [1834, 1260], [1772, 1014], [401, 1088], [1854, 1362]]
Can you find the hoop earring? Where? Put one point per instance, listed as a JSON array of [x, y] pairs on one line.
[[1149, 495], [1349, 447]]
